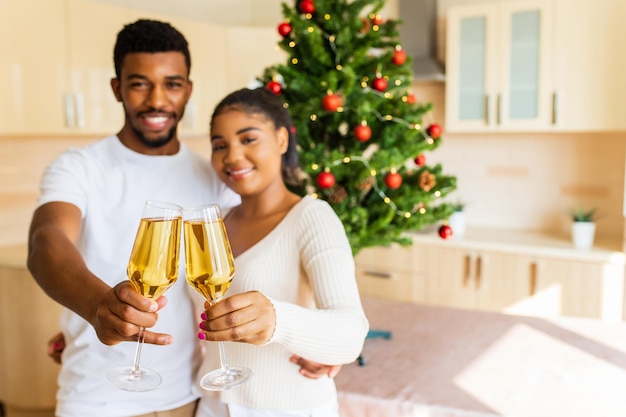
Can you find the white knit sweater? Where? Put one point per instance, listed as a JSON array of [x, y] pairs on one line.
[[305, 267]]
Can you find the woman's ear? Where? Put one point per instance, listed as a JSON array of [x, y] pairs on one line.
[[283, 139]]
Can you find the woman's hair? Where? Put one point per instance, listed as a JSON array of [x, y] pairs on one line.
[[263, 101], [150, 36]]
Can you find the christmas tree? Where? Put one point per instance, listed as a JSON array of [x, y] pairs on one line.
[[361, 134]]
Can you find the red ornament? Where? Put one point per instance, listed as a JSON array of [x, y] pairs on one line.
[[377, 19], [420, 160], [393, 180], [331, 102], [284, 29], [379, 84], [410, 98], [274, 87], [292, 129], [325, 180], [434, 131], [307, 6], [399, 57], [362, 132], [445, 231]]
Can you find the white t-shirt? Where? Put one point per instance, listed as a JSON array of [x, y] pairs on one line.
[[109, 183]]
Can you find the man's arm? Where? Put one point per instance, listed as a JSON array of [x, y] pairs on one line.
[[59, 269]]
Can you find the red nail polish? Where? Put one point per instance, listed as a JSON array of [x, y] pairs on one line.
[[203, 316], [201, 336]]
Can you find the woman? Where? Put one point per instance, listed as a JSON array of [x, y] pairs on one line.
[[294, 290]]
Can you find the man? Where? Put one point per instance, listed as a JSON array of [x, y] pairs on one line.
[[82, 233]]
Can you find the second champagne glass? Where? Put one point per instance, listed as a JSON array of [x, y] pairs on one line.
[[210, 268], [152, 269]]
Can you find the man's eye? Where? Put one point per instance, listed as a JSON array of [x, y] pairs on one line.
[[139, 85], [174, 85]]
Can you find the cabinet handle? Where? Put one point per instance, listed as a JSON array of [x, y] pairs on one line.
[[479, 264], [466, 272], [555, 108], [68, 102], [376, 274], [486, 109], [79, 102], [532, 279], [498, 109]]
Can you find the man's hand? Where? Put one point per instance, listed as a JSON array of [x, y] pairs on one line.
[[121, 312], [314, 370]]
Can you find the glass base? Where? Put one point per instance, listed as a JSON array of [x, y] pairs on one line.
[[225, 379], [137, 381]]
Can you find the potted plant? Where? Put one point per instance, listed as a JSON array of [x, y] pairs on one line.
[[457, 219], [583, 227]]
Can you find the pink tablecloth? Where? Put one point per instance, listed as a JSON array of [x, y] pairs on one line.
[[443, 362]]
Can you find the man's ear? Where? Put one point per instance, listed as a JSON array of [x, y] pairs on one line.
[[115, 86]]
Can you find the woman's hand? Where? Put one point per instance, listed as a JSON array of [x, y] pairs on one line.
[[247, 317], [56, 345], [314, 370]]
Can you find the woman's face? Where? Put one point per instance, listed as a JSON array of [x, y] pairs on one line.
[[247, 151]]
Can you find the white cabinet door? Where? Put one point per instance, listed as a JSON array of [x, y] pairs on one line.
[[498, 66], [589, 65], [91, 33], [33, 66]]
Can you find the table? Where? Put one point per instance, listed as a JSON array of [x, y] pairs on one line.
[[444, 362]]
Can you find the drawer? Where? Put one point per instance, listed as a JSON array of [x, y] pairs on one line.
[[396, 257], [386, 284]]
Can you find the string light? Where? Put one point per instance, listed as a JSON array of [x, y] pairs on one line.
[[386, 199]]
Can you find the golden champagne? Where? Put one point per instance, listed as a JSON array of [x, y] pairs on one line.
[[208, 258], [153, 265]]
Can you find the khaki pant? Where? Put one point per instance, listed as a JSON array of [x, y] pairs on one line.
[[188, 410]]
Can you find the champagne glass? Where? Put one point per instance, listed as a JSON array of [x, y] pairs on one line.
[[210, 268], [152, 269]]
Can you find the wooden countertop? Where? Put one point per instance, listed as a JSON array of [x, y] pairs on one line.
[[13, 256]]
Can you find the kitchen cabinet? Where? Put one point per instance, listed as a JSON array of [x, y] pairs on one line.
[[588, 65], [58, 62], [503, 271], [391, 273], [473, 279], [498, 66], [28, 319], [57, 66], [33, 69]]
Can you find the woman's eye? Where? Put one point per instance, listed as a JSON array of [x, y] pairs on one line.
[[248, 140], [218, 147]]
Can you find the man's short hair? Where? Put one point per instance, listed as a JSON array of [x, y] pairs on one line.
[[150, 36]]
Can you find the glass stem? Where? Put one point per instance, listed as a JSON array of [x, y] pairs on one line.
[[223, 359], [135, 371]]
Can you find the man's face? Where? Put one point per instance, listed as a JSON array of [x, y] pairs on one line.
[[154, 89]]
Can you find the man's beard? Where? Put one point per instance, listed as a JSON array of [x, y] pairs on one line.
[[158, 142]]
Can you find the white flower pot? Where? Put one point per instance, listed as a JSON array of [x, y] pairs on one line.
[[583, 234], [457, 223]]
